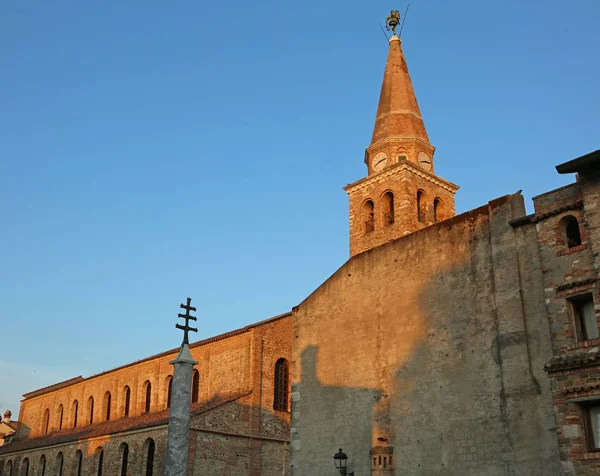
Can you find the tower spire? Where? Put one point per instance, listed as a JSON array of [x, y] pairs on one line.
[[398, 113]]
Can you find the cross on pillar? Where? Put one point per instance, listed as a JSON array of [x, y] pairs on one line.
[[186, 328]]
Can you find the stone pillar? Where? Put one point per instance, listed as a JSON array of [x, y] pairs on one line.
[[179, 419]]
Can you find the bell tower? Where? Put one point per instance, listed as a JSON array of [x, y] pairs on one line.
[[401, 193]]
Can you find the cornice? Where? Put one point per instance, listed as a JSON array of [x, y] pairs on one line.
[[573, 361], [396, 169], [534, 218], [401, 138]]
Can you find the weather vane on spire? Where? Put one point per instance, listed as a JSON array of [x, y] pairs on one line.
[[392, 21], [186, 328]]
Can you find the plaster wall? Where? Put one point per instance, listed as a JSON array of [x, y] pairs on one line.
[[432, 345]]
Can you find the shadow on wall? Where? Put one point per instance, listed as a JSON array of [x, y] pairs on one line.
[[329, 425]]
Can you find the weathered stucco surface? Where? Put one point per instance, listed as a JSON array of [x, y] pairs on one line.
[[432, 344]]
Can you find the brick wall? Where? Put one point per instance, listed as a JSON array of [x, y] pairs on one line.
[[238, 363]]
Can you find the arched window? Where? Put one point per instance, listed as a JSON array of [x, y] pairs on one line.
[[127, 401], [195, 386], [61, 411], [9, 467], [91, 410], [107, 402], [124, 450], [388, 208], [148, 394], [43, 465], [78, 462], [74, 411], [59, 464], [149, 446], [99, 461], [169, 390], [46, 421], [369, 216], [25, 471], [282, 378], [570, 231], [420, 207], [437, 210]]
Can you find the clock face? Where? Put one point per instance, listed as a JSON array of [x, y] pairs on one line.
[[424, 161], [379, 162]]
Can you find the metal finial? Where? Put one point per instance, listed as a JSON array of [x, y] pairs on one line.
[[186, 328], [393, 21]]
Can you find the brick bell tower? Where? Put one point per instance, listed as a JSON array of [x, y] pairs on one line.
[[401, 193]]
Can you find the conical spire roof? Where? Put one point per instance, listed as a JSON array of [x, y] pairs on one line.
[[398, 113]]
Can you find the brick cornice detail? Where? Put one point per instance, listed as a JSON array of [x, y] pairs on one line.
[[585, 283], [573, 361], [578, 205], [396, 169], [582, 388]]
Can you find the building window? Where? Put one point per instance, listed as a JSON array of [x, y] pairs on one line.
[[420, 207], [280, 400], [74, 411], [570, 231], [91, 410], [79, 461], [169, 390], [585, 317], [59, 464], [148, 393], [127, 401], [437, 210], [46, 422], [9, 468], [195, 386], [591, 419], [369, 216], [149, 456], [124, 458], [402, 157], [107, 402], [388, 208], [61, 411], [42, 465], [100, 461], [26, 467]]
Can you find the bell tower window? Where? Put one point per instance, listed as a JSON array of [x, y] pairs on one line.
[[369, 216], [388, 208], [420, 206]]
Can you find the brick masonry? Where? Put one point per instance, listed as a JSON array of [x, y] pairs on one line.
[[234, 424]]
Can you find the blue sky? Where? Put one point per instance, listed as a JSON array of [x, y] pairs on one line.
[[153, 151]]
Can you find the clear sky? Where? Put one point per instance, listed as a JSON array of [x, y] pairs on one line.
[[152, 151]]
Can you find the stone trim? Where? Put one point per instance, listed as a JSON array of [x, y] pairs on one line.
[[584, 344]]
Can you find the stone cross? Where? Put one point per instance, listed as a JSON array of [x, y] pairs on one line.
[[181, 392]]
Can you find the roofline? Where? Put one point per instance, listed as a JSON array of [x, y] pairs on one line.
[[200, 343], [580, 163]]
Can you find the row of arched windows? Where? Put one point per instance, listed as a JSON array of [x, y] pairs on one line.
[[108, 410], [387, 210], [76, 468]]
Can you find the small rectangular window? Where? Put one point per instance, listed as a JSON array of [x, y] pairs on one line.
[[591, 414], [585, 317]]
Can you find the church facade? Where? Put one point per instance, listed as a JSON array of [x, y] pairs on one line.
[[446, 345]]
